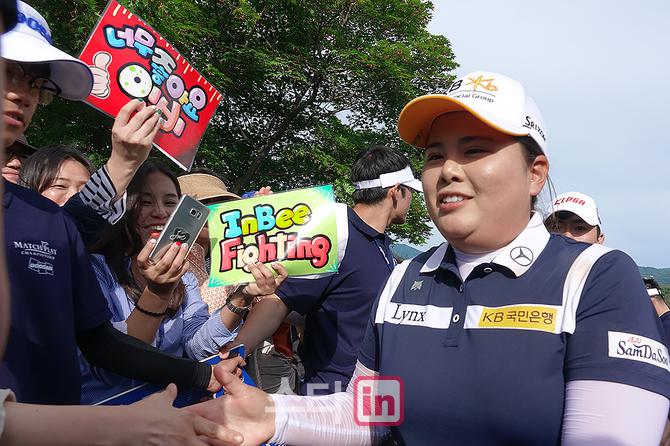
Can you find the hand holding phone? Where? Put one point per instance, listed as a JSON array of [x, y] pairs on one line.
[[163, 274]]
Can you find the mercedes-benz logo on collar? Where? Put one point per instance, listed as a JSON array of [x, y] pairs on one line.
[[522, 255]]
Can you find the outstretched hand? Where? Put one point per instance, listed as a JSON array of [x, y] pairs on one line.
[[242, 408], [156, 422]]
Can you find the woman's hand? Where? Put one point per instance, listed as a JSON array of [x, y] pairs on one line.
[[133, 135], [265, 190], [265, 281], [164, 272], [132, 139], [155, 421], [232, 365], [243, 408]]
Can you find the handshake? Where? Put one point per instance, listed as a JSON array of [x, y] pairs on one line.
[[243, 415]]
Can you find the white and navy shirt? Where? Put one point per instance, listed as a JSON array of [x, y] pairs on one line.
[[485, 360], [99, 192]]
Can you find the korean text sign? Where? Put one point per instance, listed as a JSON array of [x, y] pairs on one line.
[[296, 228], [129, 59]]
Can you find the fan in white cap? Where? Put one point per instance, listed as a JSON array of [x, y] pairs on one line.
[[572, 211], [30, 42]]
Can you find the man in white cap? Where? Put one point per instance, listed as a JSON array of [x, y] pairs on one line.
[[336, 308], [575, 215]]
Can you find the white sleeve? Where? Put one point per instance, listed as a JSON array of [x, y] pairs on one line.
[[99, 192], [323, 420], [5, 395], [608, 413]]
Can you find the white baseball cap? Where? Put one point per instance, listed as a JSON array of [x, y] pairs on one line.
[[579, 204], [495, 99], [30, 42], [403, 176]]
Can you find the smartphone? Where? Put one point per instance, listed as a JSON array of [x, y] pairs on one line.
[[184, 225], [240, 350]]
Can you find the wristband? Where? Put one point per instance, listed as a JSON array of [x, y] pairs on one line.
[[149, 313]]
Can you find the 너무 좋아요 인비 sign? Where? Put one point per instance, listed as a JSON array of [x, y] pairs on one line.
[[129, 59], [296, 228]]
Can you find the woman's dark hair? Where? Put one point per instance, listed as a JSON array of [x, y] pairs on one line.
[[40, 170], [532, 150], [370, 165], [122, 240]]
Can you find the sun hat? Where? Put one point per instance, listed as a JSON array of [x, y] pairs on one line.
[[495, 99], [30, 42], [579, 204], [202, 186]]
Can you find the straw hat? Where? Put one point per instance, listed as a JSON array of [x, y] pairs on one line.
[[202, 186]]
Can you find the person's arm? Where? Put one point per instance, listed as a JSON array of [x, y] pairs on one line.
[[150, 421], [104, 193], [263, 320], [109, 349], [161, 276], [295, 294], [132, 139], [290, 419], [607, 413]]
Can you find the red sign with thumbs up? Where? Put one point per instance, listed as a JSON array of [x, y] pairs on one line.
[[129, 59]]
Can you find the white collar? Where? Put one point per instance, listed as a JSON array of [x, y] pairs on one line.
[[518, 256]]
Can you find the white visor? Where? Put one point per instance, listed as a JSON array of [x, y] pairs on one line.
[[653, 292], [404, 177]]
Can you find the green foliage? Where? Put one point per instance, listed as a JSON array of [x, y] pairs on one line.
[[306, 84]]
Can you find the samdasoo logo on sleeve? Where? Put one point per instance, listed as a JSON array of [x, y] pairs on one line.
[[638, 348]]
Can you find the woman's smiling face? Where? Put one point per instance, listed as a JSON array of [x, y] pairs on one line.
[[478, 182]]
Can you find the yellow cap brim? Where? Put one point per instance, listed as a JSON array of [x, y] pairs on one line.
[[418, 115]]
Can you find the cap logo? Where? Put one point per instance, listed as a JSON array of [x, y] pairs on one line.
[[34, 24], [486, 84], [575, 200], [532, 125]]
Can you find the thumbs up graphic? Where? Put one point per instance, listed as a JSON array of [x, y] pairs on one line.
[[101, 61]]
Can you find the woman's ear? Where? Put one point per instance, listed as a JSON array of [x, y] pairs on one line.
[[539, 171]]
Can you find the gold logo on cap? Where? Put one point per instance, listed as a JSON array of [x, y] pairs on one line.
[[486, 84]]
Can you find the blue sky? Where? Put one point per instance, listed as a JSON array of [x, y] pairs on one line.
[[600, 73]]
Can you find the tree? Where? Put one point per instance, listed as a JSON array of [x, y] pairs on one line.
[[306, 84]]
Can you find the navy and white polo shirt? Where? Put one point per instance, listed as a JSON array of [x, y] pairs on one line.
[[55, 295], [337, 307], [485, 361]]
